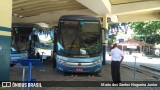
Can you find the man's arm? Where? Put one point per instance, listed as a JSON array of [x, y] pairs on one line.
[[122, 58], [110, 54]]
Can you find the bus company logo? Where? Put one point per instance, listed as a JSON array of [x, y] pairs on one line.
[[6, 84], [79, 64]]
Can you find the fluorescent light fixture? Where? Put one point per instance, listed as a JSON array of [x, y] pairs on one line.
[[15, 14], [20, 16]]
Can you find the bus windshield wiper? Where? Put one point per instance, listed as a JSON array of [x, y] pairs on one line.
[[76, 36]]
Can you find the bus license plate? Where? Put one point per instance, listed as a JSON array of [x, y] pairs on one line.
[[79, 69]]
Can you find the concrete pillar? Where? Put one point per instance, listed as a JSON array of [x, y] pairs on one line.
[[105, 25], [5, 38], [105, 41]]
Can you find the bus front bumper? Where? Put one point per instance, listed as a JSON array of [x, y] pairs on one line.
[[79, 69]]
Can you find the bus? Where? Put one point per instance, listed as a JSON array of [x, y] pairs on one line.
[[78, 44], [25, 39], [44, 49]]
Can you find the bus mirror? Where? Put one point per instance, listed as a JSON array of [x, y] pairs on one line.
[[106, 33], [52, 32], [56, 28], [34, 29], [30, 37]]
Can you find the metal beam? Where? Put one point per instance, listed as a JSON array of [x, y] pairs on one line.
[[26, 3], [53, 17], [47, 10], [45, 6]]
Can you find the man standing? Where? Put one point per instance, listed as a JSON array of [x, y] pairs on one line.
[[117, 58]]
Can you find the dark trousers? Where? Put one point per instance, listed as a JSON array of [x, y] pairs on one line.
[[115, 70]]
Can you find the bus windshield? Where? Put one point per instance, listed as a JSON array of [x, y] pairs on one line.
[[22, 34], [79, 38], [20, 38]]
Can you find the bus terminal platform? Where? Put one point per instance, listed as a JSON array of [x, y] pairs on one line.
[[46, 73]]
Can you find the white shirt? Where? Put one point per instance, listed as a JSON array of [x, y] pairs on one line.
[[116, 54]]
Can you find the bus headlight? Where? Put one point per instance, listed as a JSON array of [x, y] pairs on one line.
[[97, 62], [61, 61]]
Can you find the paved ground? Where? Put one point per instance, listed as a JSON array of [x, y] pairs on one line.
[[51, 75], [145, 64]]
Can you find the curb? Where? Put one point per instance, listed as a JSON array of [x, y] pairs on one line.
[[146, 72], [150, 68]]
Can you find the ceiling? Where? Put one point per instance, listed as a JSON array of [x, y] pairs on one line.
[[26, 8], [45, 10]]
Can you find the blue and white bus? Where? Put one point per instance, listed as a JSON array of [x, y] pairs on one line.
[[25, 39], [78, 44]]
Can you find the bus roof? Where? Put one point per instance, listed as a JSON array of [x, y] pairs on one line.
[[78, 17]]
